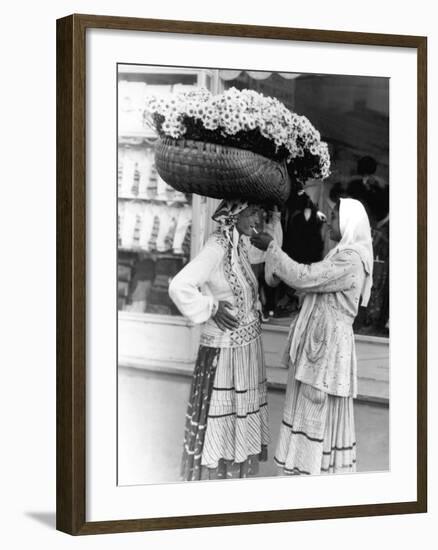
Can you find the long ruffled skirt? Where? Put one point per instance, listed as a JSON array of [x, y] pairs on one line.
[[226, 432], [317, 435]]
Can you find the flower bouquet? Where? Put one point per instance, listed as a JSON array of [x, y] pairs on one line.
[[236, 144]]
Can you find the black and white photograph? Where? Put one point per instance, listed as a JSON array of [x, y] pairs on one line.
[[253, 264]]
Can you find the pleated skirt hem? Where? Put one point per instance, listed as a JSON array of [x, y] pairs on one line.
[[317, 435], [229, 469], [227, 429]]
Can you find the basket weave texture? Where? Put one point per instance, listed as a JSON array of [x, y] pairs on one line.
[[220, 171]]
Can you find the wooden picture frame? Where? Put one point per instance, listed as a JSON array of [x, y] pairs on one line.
[[71, 273]]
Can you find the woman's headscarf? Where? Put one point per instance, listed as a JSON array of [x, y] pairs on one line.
[[356, 235], [226, 216], [226, 212]]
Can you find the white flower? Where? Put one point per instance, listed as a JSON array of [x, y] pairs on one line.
[[235, 111]]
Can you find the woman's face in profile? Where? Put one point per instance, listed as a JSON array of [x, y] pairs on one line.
[[248, 220], [335, 230]]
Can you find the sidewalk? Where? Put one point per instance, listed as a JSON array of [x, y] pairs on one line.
[[152, 409]]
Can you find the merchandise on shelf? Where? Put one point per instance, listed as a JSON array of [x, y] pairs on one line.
[[182, 229], [138, 177], [153, 219], [151, 226]]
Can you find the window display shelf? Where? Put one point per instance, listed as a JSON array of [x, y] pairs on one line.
[[170, 202], [126, 138], [153, 255], [145, 318]]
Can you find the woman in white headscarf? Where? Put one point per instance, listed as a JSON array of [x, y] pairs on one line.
[[317, 434], [226, 431]]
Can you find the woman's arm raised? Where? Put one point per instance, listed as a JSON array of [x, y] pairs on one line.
[[335, 274]]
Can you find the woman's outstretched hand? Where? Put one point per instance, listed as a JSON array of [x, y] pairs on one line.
[[223, 318], [261, 240]]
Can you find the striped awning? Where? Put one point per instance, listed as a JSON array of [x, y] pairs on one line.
[[230, 74]]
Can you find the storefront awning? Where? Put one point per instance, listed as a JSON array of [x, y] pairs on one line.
[[257, 75]]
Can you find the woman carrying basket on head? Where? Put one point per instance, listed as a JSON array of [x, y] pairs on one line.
[[226, 432], [317, 434]]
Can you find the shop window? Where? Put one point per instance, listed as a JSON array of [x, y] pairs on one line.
[[154, 221]]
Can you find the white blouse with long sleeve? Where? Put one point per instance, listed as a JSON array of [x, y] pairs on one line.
[[203, 282], [326, 357], [200, 273]]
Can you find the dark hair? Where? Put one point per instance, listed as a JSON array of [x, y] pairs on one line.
[[336, 191], [366, 166]]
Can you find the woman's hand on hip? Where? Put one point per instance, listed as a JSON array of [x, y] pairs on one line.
[[261, 240], [223, 318]]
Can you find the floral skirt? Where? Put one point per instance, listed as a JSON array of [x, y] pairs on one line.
[[226, 432], [317, 435]]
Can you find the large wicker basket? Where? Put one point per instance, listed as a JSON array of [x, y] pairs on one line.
[[220, 171]]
